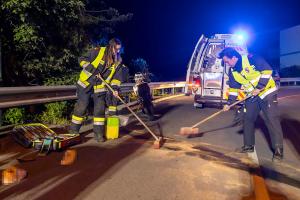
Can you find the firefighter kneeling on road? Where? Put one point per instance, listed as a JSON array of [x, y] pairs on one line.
[[254, 75], [104, 62], [142, 90]]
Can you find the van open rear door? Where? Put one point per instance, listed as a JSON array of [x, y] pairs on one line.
[[212, 71], [194, 65]]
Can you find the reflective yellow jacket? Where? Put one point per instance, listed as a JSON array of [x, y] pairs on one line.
[[250, 77], [92, 64]]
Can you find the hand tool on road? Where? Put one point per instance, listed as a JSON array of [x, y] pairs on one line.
[[158, 140], [194, 130]]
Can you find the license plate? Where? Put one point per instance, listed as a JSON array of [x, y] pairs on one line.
[[212, 92]]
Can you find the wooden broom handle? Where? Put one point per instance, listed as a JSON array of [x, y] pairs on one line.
[[132, 112], [217, 113]]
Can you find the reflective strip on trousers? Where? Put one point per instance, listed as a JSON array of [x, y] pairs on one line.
[[99, 121], [77, 120]]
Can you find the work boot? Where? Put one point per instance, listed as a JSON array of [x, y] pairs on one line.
[[99, 138], [278, 154], [99, 133], [74, 128], [246, 149]]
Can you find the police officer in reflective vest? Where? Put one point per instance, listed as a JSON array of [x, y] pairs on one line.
[[254, 75], [104, 61]]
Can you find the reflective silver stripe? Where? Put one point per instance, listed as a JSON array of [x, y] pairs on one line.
[[85, 65], [255, 80], [115, 84], [268, 92], [86, 72], [266, 76], [81, 84], [112, 109], [100, 90], [99, 119], [99, 123], [233, 93], [76, 121], [249, 89]]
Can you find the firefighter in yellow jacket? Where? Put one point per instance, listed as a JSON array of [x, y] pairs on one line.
[[254, 75], [104, 61]]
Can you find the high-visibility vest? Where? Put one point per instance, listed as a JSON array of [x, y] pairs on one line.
[[249, 78], [89, 68], [240, 94], [101, 87]]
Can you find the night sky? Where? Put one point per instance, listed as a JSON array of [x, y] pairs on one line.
[[165, 32]]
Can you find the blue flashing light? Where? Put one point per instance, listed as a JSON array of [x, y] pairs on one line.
[[241, 37]]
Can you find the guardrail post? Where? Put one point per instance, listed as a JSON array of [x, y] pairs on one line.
[[173, 89], [0, 117]]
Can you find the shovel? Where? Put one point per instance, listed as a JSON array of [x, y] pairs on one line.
[[158, 140], [194, 130]]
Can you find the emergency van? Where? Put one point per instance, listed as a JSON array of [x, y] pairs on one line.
[[207, 76]]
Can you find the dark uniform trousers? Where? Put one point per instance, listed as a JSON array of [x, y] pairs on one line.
[[145, 99], [269, 107], [99, 99], [112, 102], [148, 108]]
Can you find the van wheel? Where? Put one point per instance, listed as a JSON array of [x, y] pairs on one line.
[[198, 105]]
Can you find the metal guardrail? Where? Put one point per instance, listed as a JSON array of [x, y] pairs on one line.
[[290, 81], [21, 96]]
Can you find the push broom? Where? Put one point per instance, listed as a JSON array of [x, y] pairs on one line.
[[194, 130], [158, 140]]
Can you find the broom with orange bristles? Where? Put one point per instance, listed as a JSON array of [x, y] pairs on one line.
[[158, 140], [194, 130]]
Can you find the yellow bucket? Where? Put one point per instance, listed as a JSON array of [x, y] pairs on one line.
[[112, 128]]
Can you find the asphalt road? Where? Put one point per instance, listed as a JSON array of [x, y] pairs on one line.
[[221, 132]]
